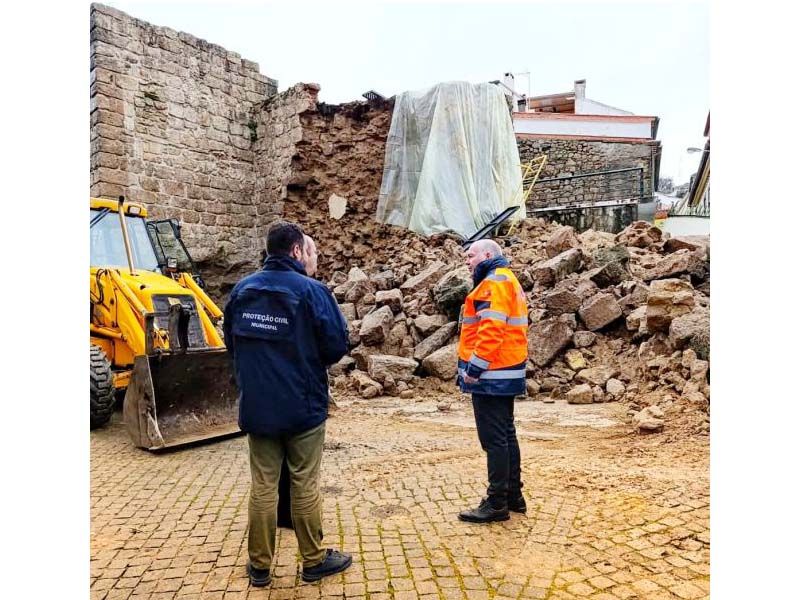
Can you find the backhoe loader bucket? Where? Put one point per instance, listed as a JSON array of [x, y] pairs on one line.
[[175, 399]]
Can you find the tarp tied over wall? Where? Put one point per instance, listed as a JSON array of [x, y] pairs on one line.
[[451, 160]]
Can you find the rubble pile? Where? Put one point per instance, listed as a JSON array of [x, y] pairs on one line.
[[613, 318]]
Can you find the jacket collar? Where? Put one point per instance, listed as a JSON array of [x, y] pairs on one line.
[[486, 267], [279, 262]]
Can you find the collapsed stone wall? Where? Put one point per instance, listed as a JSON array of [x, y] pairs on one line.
[[312, 152], [567, 157], [171, 127]]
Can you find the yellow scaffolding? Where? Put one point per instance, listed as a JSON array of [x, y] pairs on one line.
[[530, 173]]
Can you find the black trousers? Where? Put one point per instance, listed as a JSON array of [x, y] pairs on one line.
[[494, 419]]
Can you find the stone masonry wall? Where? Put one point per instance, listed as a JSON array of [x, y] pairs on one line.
[[611, 219], [277, 134], [311, 151], [171, 127], [198, 134], [574, 157]]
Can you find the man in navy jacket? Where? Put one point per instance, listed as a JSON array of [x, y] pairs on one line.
[[283, 329]]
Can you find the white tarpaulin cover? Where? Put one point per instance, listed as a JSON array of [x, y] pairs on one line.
[[451, 159]]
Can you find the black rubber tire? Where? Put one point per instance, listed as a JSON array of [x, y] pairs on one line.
[[101, 388]]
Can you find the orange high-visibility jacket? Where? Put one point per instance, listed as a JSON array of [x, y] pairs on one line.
[[493, 346]]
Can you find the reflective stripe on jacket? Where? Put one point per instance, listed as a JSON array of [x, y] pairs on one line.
[[493, 345]]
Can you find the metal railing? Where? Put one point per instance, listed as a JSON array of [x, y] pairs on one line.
[[617, 187]]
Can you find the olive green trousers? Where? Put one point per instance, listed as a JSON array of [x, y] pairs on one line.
[[303, 452]]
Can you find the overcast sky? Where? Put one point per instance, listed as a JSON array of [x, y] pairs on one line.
[[645, 57]]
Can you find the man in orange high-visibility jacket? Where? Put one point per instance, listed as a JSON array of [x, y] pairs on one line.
[[492, 353]]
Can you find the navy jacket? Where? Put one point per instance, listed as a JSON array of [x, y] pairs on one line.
[[283, 329]]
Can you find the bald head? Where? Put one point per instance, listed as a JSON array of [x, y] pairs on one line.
[[482, 250], [487, 246]]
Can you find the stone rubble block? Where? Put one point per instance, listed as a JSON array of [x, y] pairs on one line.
[[362, 353], [649, 420], [367, 387], [639, 234], [575, 360], [599, 311], [391, 298], [359, 292], [435, 341], [596, 375], [670, 266], [443, 363], [557, 268], [375, 326], [674, 244], [427, 324], [382, 366], [615, 387], [451, 290], [634, 297], [583, 339], [340, 291], [636, 318], [366, 306], [617, 254], [426, 278], [547, 339], [561, 301], [608, 275], [383, 281], [562, 240], [353, 327], [691, 330], [580, 394], [345, 364], [667, 300]]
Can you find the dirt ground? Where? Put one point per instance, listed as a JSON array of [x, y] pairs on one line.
[[611, 514]]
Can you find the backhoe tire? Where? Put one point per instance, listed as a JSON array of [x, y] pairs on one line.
[[101, 388]]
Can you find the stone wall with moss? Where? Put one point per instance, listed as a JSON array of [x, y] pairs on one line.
[[171, 126]]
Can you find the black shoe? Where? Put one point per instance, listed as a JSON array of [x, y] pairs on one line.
[[516, 503], [334, 562], [258, 577], [485, 513]]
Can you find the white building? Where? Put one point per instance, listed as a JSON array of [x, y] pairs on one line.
[[571, 115]]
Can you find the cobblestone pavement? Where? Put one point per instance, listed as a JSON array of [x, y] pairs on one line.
[[611, 515]]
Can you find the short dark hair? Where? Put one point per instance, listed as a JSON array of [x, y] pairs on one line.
[[282, 237]]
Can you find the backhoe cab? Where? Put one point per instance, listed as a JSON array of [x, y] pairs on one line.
[[153, 333]]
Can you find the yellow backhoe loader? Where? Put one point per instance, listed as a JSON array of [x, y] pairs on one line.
[[152, 333]]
